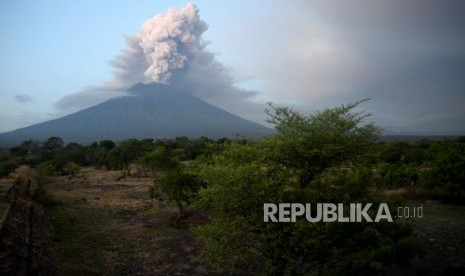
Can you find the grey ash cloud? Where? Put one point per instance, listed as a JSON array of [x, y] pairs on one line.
[[408, 57], [169, 49]]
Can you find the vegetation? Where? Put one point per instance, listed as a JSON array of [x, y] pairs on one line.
[[324, 151], [180, 187], [58, 157], [332, 156]]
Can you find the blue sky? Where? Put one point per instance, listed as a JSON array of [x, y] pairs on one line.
[[408, 58]]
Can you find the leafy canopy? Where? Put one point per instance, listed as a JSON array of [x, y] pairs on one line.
[[310, 144], [311, 159]]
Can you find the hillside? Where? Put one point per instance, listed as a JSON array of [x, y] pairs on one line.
[[149, 111]]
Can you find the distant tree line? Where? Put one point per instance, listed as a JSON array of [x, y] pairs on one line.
[[54, 155], [434, 166]]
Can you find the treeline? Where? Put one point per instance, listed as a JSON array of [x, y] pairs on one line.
[[54, 155], [434, 166]]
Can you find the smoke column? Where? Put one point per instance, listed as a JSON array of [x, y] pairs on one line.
[[169, 49], [170, 41], [166, 42]]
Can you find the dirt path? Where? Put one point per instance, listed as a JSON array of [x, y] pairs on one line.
[[108, 226]]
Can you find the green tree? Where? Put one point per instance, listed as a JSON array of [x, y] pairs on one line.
[[8, 162], [180, 187], [170, 179], [159, 159], [310, 144], [29, 152], [107, 144], [124, 154], [71, 168], [312, 159], [447, 161], [51, 147], [46, 168]]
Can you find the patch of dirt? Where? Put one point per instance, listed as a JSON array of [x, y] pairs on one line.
[[441, 234], [109, 226]]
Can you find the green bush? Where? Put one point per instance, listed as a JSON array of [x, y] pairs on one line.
[[46, 168], [71, 168], [311, 159], [41, 194]]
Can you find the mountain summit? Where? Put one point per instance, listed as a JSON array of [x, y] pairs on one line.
[[149, 111]]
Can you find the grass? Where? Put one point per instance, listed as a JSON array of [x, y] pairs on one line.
[[107, 226], [440, 233], [84, 238], [5, 185]]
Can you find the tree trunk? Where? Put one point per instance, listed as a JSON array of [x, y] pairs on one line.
[[180, 214]]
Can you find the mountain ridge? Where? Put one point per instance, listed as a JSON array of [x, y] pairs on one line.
[[148, 111]]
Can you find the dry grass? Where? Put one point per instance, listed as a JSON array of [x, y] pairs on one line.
[[108, 226], [5, 184], [440, 233]]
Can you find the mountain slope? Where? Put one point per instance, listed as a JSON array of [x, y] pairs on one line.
[[150, 111]]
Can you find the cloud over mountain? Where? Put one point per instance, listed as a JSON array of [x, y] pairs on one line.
[[169, 49]]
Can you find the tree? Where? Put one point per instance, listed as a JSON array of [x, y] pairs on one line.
[[46, 168], [29, 152], [322, 150], [124, 154], [8, 162], [158, 159], [107, 144], [310, 144], [180, 187], [447, 160], [170, 179], [71, 168], [51, 147], [96, 155]]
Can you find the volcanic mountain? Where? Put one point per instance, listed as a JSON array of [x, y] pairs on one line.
[[148, 111]]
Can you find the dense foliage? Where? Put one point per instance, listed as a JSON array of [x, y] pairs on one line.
[[435, 166], [59, 158], [311, 159]]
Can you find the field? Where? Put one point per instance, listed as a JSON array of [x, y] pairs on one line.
[[105, 226], [440, 233]]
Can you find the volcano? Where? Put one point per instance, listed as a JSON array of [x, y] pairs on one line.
[[148, 111]]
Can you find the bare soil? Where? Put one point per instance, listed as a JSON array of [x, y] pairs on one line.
[[109, 226], [441, 233]]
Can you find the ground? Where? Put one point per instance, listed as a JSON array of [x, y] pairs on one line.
[[441, 233], [106, 224]]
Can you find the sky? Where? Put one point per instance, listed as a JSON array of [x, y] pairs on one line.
[[407, 57]]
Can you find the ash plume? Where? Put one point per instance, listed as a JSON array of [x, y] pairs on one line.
[[169, 41], [166, 42], [169, 49]]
